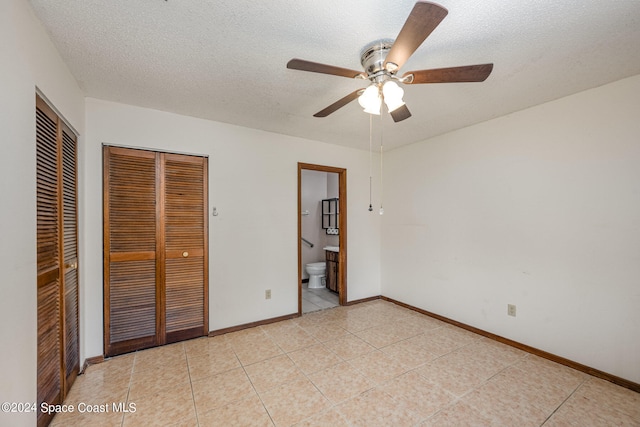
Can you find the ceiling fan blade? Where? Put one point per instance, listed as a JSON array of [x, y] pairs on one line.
[[423, 19], [316, 67], [338, 104], [468, 73], [401, 113]]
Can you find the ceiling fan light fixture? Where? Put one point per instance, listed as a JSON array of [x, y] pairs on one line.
[[392, 94], [382, 59], [370, 100]]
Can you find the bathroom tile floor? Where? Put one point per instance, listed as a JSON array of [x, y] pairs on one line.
[[317, 299], [370, 364]]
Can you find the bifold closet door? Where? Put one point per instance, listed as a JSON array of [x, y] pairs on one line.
[[155, 248], [130, 246], [185, 219], [50, 382], [70, 259], [57, 259]]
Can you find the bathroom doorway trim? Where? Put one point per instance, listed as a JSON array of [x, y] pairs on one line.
[[342, 220]]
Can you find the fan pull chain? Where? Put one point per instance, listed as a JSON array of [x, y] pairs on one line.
[[381, 208], [370, 160]]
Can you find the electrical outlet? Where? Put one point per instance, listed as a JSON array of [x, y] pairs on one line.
[[511, 310], [267, 294]]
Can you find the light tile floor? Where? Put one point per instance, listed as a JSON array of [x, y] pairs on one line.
[[317, 299], [371, 364]]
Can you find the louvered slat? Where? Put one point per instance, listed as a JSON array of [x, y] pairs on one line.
[[132, 210], [69, 196], [184, 204], [49, 380], [184, 293], [72, 356], [47, 192], [132, 300]]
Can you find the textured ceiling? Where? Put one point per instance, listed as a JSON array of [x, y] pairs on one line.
[[225, 60]]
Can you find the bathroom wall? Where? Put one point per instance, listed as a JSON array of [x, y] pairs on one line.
[[333, 191], [314, 189]]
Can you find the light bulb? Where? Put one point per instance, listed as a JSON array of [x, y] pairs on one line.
[[392, 94], [370, 100], [381, 211]]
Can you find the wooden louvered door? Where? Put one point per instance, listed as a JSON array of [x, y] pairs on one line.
[[130, 250], [70, 258], [50, 381], [57, 258], [185, 217], [155, 248]]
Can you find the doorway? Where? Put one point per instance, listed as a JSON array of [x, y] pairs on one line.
[[336, 261]]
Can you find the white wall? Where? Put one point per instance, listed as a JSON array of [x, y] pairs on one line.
[[253, 184], [28, 60], [540, 209], [333, 192], [314, 189], [333, 185]]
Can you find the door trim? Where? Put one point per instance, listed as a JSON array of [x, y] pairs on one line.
[[342, 220]]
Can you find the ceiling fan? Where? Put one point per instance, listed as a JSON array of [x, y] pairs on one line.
[[382, 60]]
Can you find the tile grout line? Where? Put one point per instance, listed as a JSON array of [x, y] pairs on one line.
[[332, 405], [457, 399], [347, 361], [565, 400], [193, 395], [251, 381], [133, 365]]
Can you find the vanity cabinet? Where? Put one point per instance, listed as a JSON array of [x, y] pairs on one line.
[[332, 270]]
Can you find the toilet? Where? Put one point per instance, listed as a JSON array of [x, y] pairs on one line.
[[316, 272]]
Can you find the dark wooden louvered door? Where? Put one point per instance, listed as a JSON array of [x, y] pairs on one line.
[[155, 248], [130, 249], [57, 258], [70, 257], [48, 260], [185, 189]]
